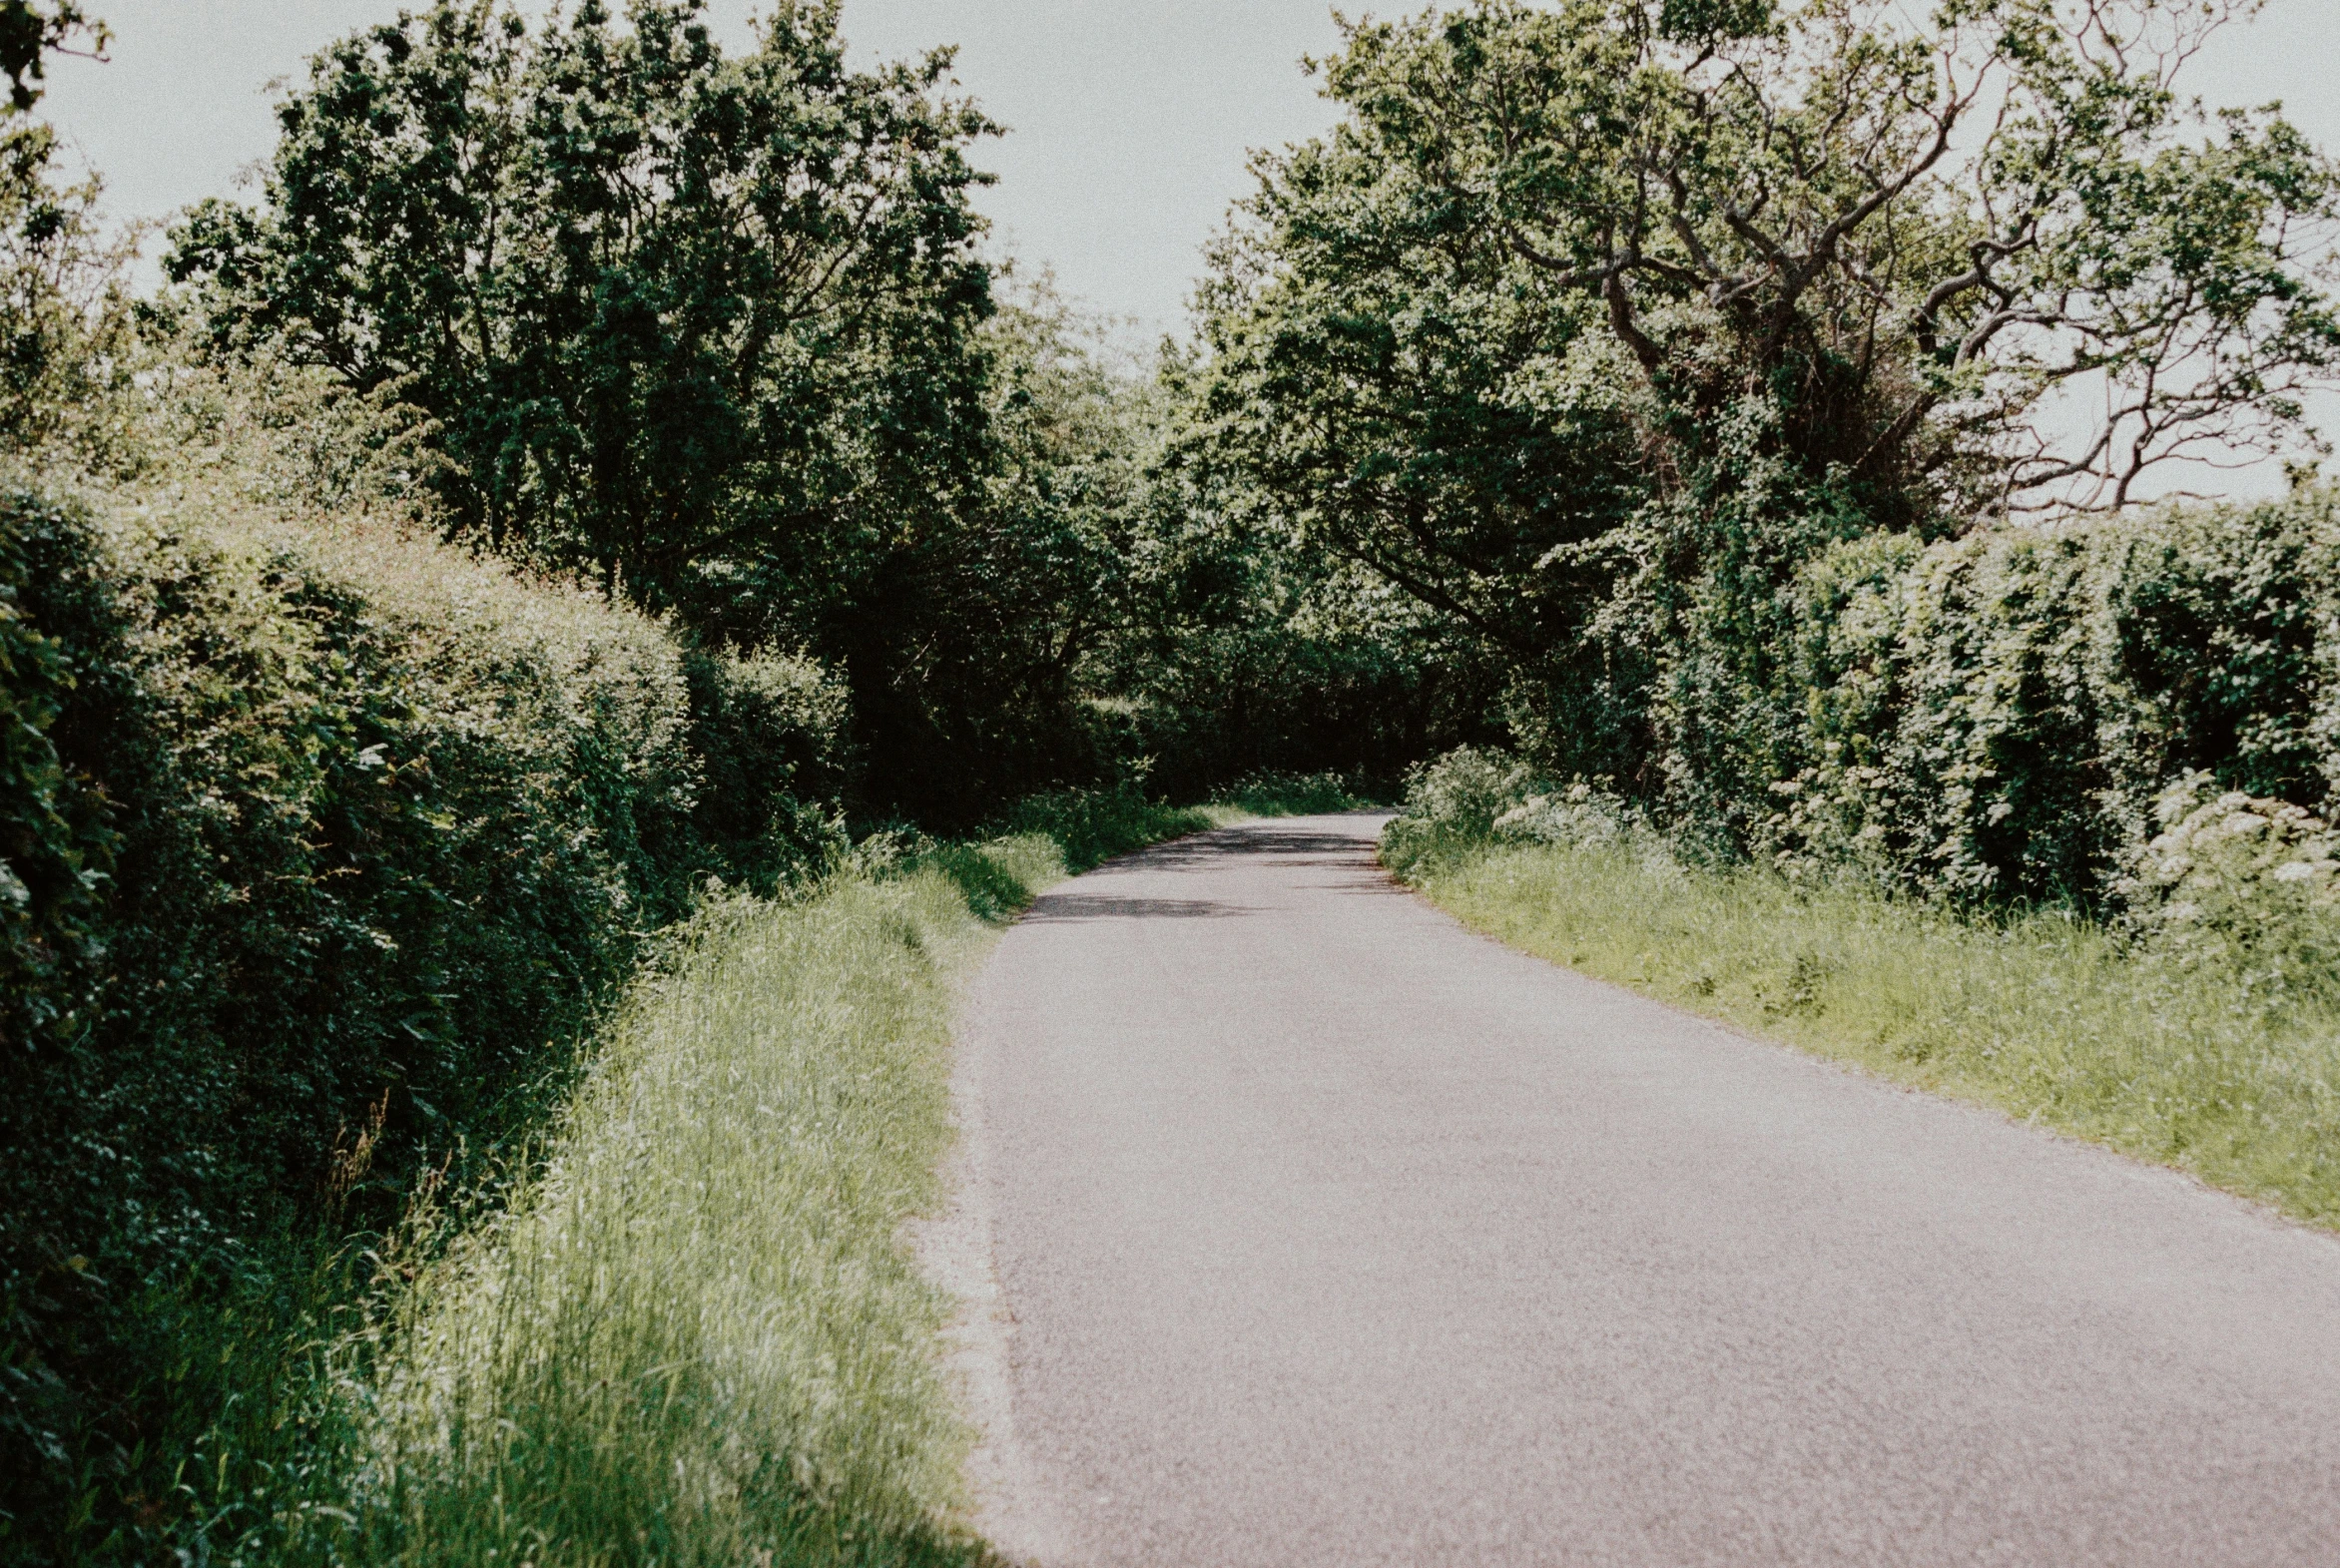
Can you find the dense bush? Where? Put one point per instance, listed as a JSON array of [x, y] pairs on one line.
[[1475, 796], [2239, 885], [1272, 794], [318, 836], [1093, 825], [1994, 718], [2003, 718], [1202, 707]]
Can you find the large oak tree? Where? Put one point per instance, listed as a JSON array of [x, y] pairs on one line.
[[1593, 321]]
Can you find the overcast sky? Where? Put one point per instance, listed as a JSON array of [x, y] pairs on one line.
[[1129, 120]]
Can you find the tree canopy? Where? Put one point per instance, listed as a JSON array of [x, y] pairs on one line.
[[32, 29], [1592, 321], [702, 324]]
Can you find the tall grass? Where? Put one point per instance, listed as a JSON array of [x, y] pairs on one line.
[[2043, 1016], [700, 1340], [675, 1323], [697, 1337]]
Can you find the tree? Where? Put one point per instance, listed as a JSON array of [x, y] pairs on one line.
[[715, 331], [1593, 321], [968, 651], [704, 325], [65, 314], [31, 31]]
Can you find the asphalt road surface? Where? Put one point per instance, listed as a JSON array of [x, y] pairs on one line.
[[1313, 1228]]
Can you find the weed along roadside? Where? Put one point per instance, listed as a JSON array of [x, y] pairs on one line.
[[697, 1334], [2162, 1051], [695, 1337]]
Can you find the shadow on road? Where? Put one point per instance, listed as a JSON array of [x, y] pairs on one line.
[[1253, 839], [1287, 845], [1095, 906]]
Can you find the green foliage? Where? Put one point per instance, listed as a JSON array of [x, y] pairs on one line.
[[699, 324], [699, 1337], [29, 31], [1994, 718], [684, 1328], [64, 317], [1997, 719], [971, 666], [323, 836], [711, 328], [59, 850], [1241, 647], [2049, 1018], [1594, 326], [1458, 805], [1453, 804], [1292, 794], [1094, 826], [1239, 654], [768, 732], [2238, 886], [1894, 233]]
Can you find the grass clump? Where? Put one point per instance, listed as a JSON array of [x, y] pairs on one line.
[[697, 1335], [699, 1338], [2085, 1027]]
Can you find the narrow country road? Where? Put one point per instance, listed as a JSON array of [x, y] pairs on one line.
[[1327, 1233]]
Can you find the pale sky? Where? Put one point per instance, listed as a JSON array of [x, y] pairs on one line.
[[1130, 119]]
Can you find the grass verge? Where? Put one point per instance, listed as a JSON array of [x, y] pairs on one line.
[[2044, 1017], [697, 1338]]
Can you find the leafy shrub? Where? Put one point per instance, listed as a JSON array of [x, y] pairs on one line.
[[56, 850], [767, 731], [1452, 802], [2135, 717], [65, 310], [2241, 885], [1272, 794], [1579, 816], [1992, 719], [695, 1336], [319, 838], [1094, 826], [1473, 798]]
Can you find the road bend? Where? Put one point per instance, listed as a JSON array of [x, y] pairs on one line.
[[1316, 1230]]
